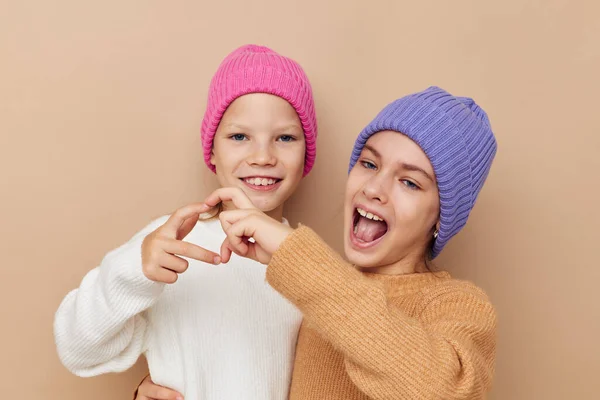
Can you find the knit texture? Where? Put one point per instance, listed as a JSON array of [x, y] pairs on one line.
[[219, 332], [367, 336], [455, 133], [258, 69]]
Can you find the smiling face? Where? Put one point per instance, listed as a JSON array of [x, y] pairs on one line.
[[259, 147], [391, 207]]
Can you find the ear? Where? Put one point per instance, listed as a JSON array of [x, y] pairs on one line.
[[436, 228], [212, 157]]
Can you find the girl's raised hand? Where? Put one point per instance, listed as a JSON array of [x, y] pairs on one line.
[[163, 249], [250, 232]]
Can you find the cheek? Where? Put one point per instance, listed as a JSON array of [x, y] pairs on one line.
[[227, 155], [226, 169], [417, 212], [356, 180], [408, 207], [293, 158], [298, 154], [431, 209], [217, 152]]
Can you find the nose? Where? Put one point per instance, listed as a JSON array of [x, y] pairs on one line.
[[262, 155], [376, 188]]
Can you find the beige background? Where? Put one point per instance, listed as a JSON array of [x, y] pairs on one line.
[[100, 108]]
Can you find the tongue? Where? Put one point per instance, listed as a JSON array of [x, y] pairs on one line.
[[368, 230]]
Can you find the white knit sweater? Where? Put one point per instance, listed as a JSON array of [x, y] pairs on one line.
[[219, 332]]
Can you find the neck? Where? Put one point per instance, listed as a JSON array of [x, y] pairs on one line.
[[409, 264], [276, 214]]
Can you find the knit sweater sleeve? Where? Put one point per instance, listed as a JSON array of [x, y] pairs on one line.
[[448, 352], [100, 327]]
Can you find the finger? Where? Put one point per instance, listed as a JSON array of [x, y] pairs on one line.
[[235, 195], [238, 234], [225, 251], [177, 219], [190, 250], [174, 263], [164, 275], [154, 391], [229, 218], [250, 250], [187, 226]]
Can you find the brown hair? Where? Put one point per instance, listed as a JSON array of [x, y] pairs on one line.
[[429, 266], [212, 213]]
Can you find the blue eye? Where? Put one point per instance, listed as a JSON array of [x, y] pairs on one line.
[[238, 137], [287, 138], [410, 184], [368, 165]]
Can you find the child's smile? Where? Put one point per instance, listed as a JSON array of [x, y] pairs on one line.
[[369, 228], [262, 183]]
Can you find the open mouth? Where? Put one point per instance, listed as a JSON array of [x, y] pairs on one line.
[[368, 228], [262, 183]]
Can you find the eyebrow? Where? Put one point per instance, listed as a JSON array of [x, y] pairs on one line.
[[290, 127], [411, 167], [406, 166], [372, 150], [283, 128], [233, 125]]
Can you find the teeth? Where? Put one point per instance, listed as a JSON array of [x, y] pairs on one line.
[[260, 181], [368, 215]]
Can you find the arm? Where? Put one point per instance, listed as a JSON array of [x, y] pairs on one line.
[[100, 327], [447, 353]]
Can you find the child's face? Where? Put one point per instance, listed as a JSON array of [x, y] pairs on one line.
[[394, 181], [259, 147]]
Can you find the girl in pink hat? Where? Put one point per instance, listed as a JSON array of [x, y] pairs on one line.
[[207, 332]]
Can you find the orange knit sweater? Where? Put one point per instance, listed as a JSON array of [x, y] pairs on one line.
[[367, 336]]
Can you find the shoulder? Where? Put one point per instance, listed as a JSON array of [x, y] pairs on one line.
[[456, 296], [455, 288]]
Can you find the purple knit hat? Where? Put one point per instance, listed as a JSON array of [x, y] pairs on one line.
[[455, 133]]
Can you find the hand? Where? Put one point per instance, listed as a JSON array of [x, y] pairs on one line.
[[161, 249], [148, 390], [266, 235], [245, 223]]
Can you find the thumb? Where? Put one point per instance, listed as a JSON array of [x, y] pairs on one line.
[[226, 251], [241, 248]]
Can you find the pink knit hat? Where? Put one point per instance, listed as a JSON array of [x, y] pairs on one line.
[[258, 69]]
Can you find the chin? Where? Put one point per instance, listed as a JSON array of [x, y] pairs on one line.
[[264, 205], [360, 259]]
